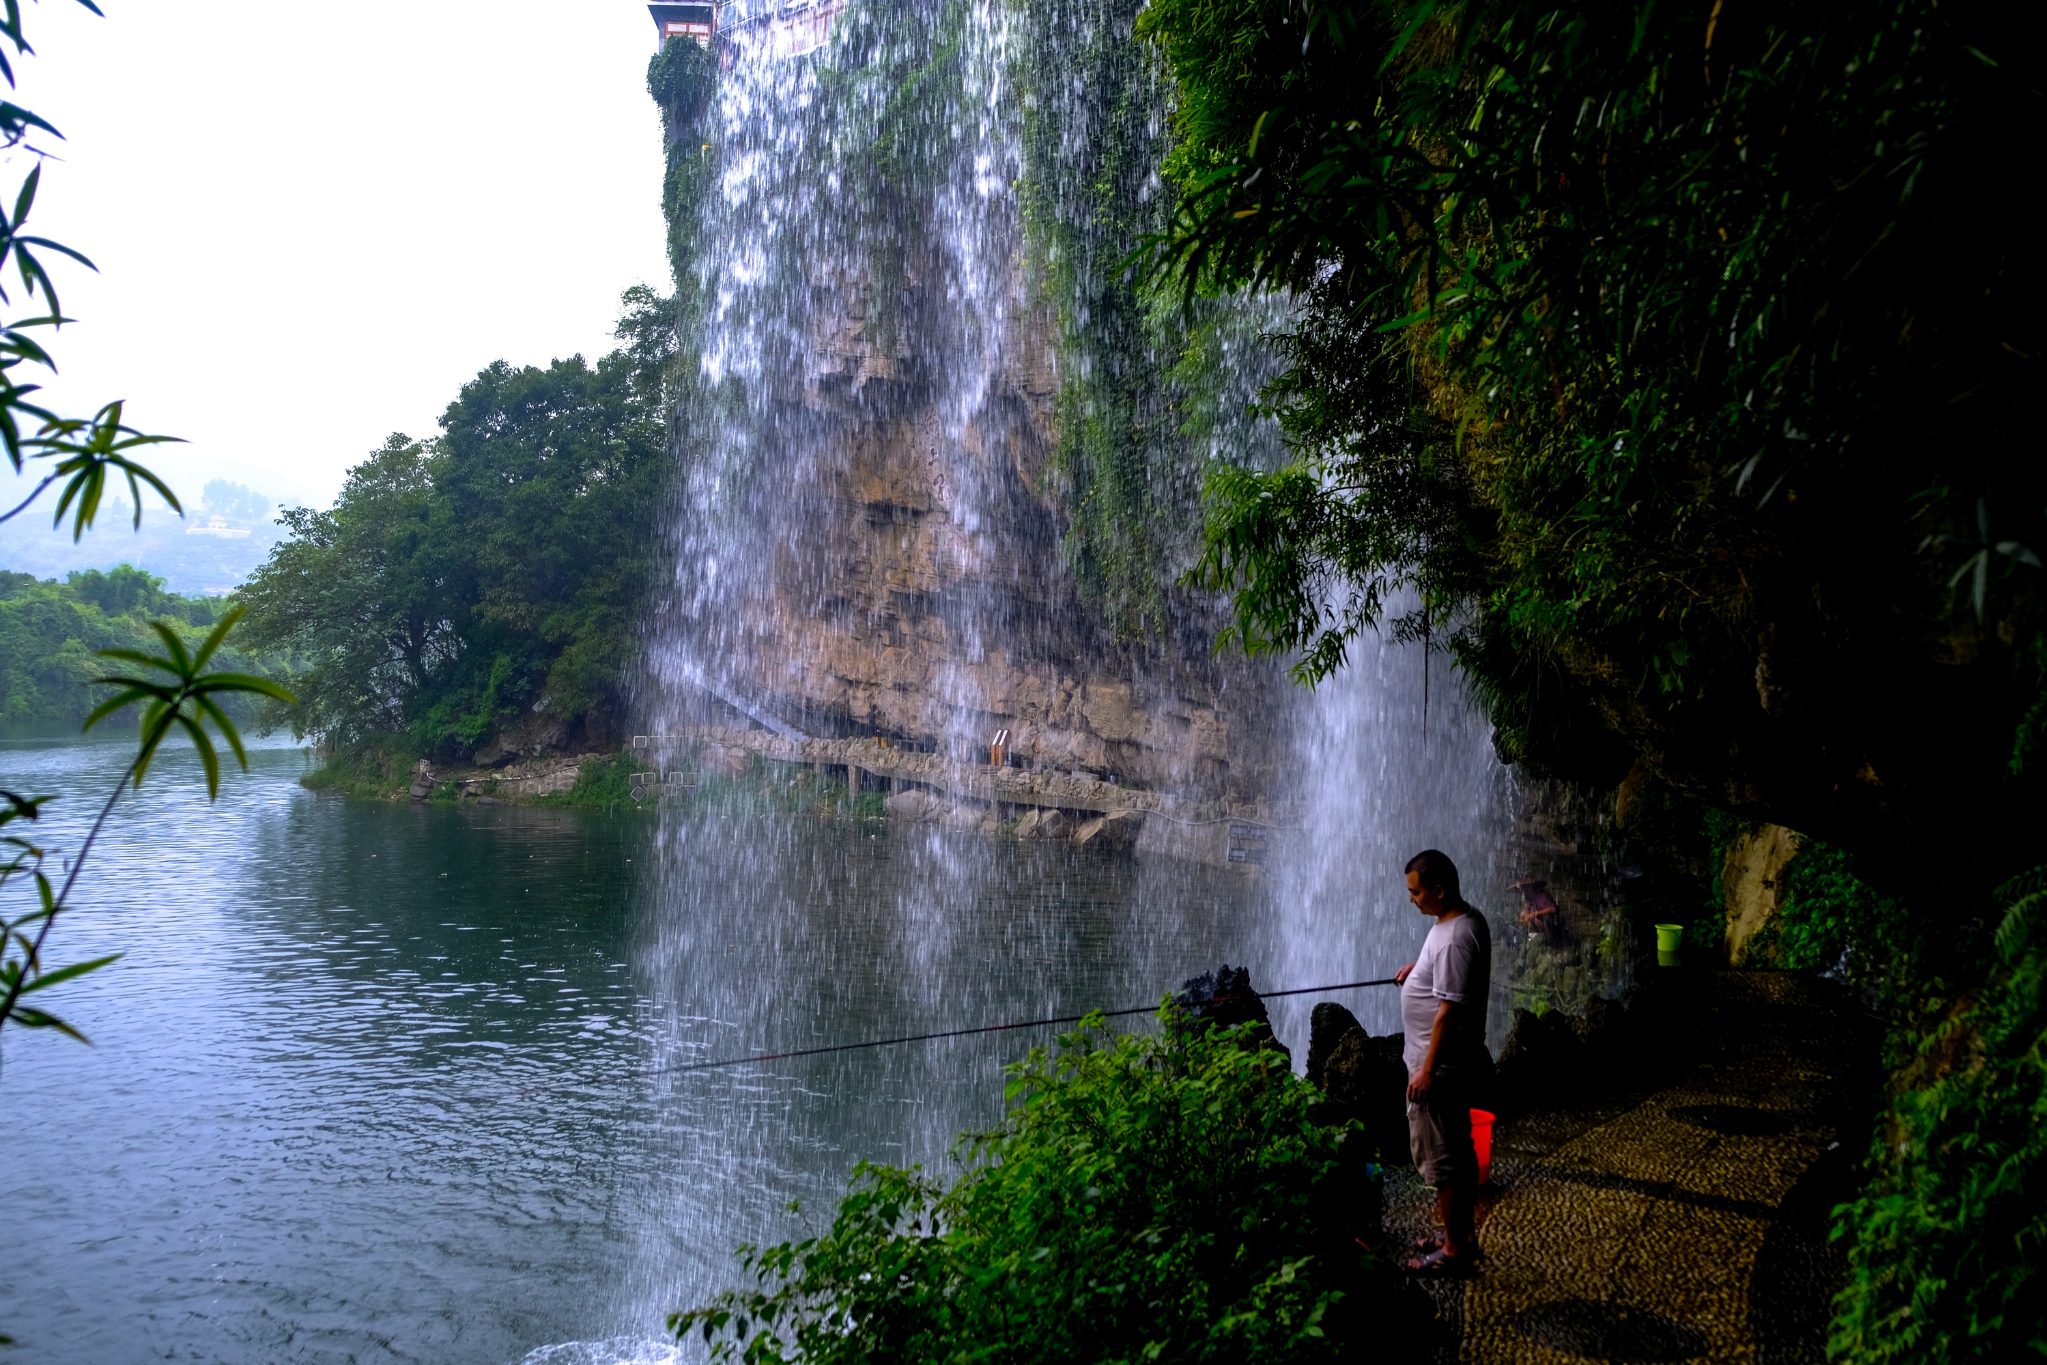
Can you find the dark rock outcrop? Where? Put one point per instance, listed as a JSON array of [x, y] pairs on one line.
[[1117, 829], [1326, 1027], [1362, 1077], [1223, 998]]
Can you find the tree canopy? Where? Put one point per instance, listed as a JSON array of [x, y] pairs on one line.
[[464, 583], [1642, 364], [51, 634]]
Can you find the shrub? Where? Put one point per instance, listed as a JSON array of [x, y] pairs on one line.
[[378, 769], [1946, 1243], [1829, 919], [601, 783], [1145, 1199]]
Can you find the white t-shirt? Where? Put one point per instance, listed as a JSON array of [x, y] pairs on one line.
[[1456, 963]]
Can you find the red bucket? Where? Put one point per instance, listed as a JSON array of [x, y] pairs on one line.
[[1482, 1139]]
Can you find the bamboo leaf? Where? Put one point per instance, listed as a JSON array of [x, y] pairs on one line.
[[63, 974], [34, 1018]]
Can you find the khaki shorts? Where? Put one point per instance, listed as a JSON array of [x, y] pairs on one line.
[[1439, 1136]]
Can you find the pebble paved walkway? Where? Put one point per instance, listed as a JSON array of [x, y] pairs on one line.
[[1681, 1224]]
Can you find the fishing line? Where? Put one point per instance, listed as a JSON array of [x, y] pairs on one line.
[[1001, 1028]]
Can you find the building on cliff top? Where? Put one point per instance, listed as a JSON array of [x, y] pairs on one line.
[[697, 22], [783, 28]]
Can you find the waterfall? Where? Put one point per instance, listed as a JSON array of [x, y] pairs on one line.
[[901, 273], [857, 270]]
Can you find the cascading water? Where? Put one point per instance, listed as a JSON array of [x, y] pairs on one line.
[[871, 537], [856, 270], [1384, 774]]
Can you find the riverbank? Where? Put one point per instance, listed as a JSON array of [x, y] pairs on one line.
[[585, 781]]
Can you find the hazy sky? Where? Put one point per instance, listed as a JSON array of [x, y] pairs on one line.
[[314, 221]]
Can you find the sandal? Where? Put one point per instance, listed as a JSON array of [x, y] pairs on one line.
[[1441, 1264], [1430, 1242]]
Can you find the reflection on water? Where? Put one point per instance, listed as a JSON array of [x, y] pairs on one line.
[[391, 1082]]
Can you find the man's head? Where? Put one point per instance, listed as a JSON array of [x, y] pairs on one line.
[[1432, 883]]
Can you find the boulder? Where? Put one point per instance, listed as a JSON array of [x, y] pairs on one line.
[[917, 807], [1223, 998], [1363, 1078], [1117, 829], [963, 817], [1326, 1027], [492, 754], [1044, 823], [1752, 882], [726, 760]]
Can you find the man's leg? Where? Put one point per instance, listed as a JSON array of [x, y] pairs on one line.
[[1454, 1205], [1439, 1135]]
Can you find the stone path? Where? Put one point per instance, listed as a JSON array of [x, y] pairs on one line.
[[1686, 1223]]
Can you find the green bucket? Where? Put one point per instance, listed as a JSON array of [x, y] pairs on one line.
[[1668, 937]]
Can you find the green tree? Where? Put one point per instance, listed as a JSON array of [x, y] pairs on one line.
[[51, 636], [348, 590], [494, 573]]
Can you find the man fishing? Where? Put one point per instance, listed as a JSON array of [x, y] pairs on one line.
[[1443, 1011]]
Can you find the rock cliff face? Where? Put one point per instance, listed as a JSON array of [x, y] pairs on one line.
[[869, 537], [917, 587], [1752, 884]]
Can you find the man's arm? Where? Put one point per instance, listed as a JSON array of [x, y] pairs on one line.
[[1419, 1083]]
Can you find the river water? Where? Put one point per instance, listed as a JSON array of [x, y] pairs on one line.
[[395, 1082]]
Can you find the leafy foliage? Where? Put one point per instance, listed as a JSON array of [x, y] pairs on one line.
[[1145, 1199], [491, 574], [1375, 507], [86, 451], [1830, 920], [1945, 1246], [187, 700], [1706, 447], [1091, 147], [1703, 459], [51, 634], [682, 78], [1147, 392]]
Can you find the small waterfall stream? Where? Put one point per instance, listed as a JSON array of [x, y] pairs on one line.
[[1379, 782]]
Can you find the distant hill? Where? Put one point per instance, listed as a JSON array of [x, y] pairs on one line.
[[51, 632], [211, 551]]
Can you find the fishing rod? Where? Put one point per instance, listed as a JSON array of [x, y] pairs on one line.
[[1025, 1023]]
